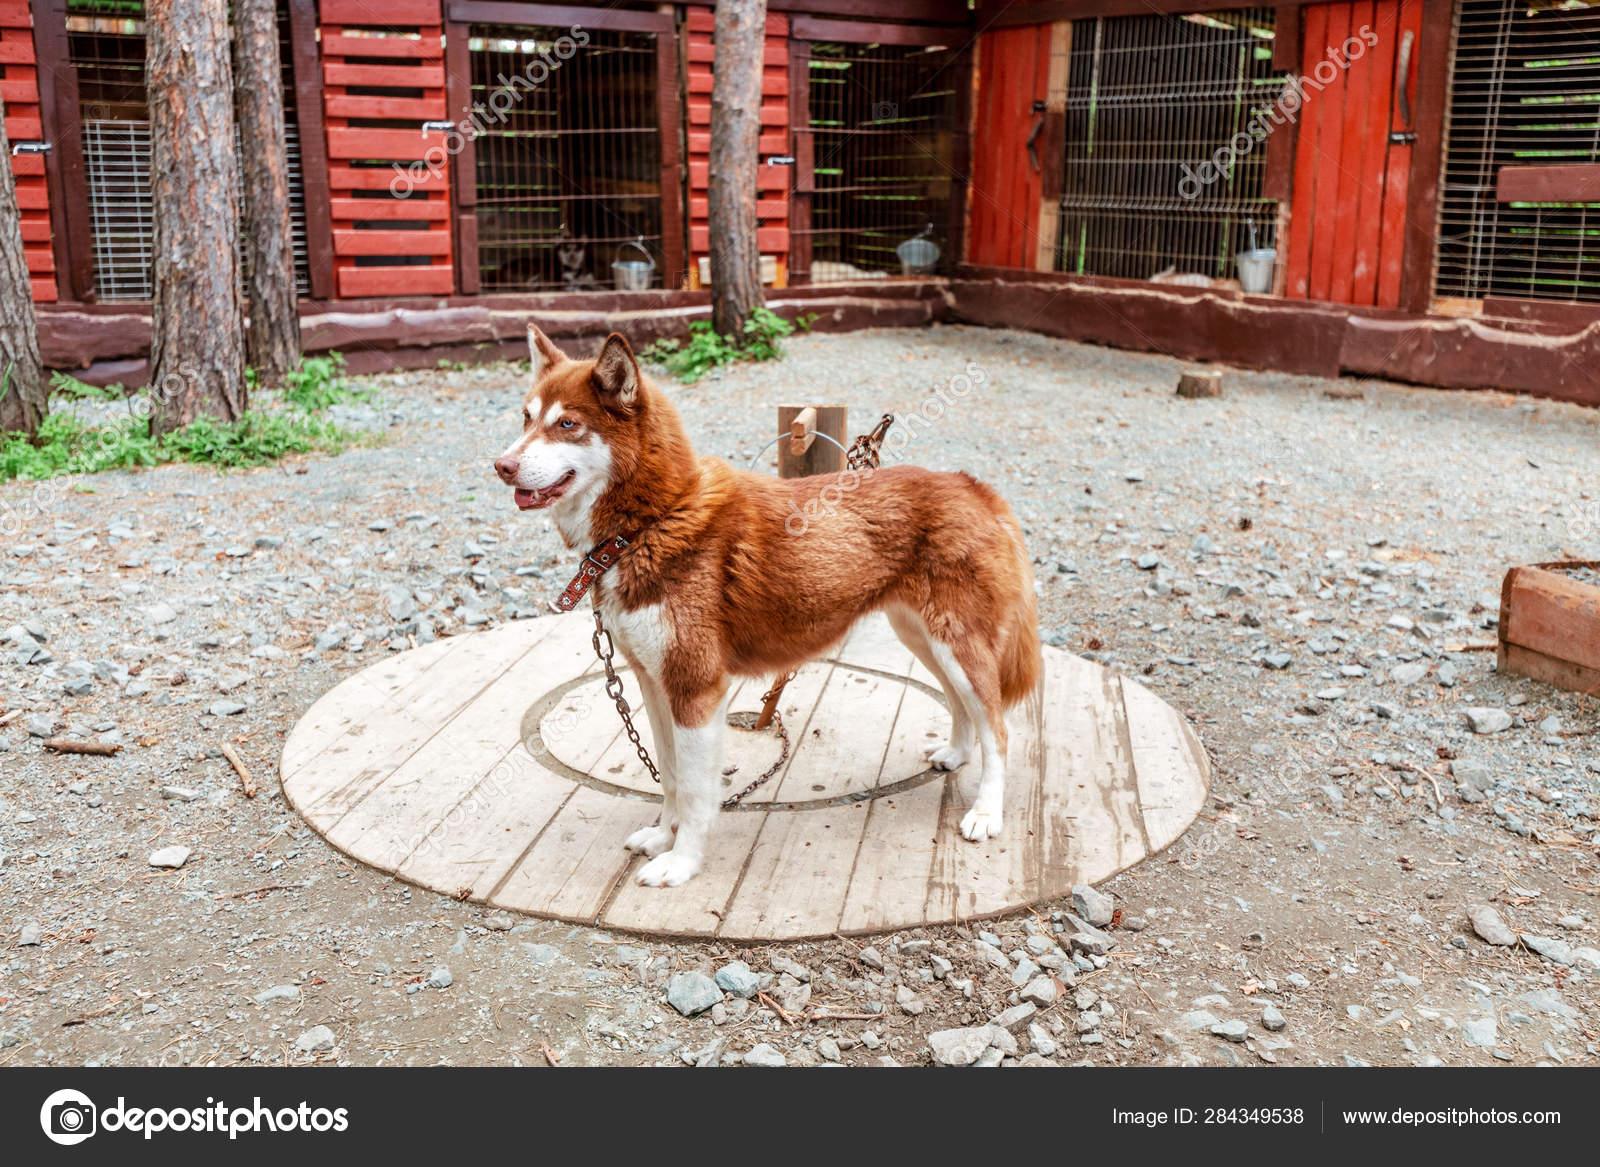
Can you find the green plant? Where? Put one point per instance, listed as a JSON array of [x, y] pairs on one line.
[[66, 385], [318, 382], [708, 349]]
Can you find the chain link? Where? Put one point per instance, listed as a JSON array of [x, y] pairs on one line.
[[863, 454]]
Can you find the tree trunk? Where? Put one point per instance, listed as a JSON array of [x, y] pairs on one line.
[[735, 143], [197, 326], [273, 338], [24, 397]]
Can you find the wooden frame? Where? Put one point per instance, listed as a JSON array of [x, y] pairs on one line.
[[307, 66], [1550, 627], [816, 28], [1432, 71], [510, 12], [64, 168], [668, 109], [1579, 183], [464, 167], [804, 148]]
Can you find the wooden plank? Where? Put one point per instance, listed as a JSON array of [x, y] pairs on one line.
[[343, 773], [1329, 109], [62, 117], [896, 851], [468, 270], [577, 860], [696, 908], [306, 66], [841, 749], [499, 12], [1171, 769], [795, 882], [420, 76], [350, 210], [1378, 65], [1553, 614], [1563, 674], [960, 72], [673, 264], [1302, 222], [1286, 38], [391, 242], [797, 705], [390, 13], [1418, 183], [344, 177], [338, 44], [435, 279], [1548, 184], [821, 28], [396, 108], [822, 457]]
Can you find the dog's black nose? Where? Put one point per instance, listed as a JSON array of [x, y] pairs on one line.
[[506, 468]]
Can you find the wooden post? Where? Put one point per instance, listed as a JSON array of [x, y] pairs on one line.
[[814, 457]]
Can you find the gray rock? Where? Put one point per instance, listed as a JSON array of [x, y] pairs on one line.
[[29, 936], [1041, 1041], [1276, 660], [278, 993], [1548, 947], [1409, 674], [1094, 906], [941, 967], [40, 725], [226, 708], [499, 922], [1230, 1030], [765, 1055], [1271, 1019], [1486, 922], [1480, 1031], [991, 955], [173, 857], [736, 978], [1198, 1019], [782, 964], [160, 614], [872, 958], [961, 1047], [1011, 1018], [692, 993], [828, 1049], [441, 978], [315, 1040], [1149, 561], [1488, 720], [908, 1001], [1041, 991]]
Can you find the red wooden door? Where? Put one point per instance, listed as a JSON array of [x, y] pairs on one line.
[[1013, 72], [1354, 151]]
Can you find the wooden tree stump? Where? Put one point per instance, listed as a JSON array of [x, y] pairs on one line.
[[1200, 383], [819, 457]]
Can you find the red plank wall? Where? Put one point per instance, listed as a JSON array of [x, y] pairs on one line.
[[373, 213], [1347, 224], [1004, 216], [19, 87], [773, 183]]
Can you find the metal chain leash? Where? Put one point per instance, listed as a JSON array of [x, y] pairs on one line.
[[863, 454]]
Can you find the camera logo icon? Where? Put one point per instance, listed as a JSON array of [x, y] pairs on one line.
[[68, 1117], [885, 111]]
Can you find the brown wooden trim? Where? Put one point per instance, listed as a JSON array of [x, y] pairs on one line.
[[803, 143], [307, 65], [1549, 184], [1286, 38], [65, 175], [1010, 14], [1432, 69], [816, 28], [1559, 313], [956, 230], [668, 109], [557, 15], [909, 11], [466, 253], [458, 108]]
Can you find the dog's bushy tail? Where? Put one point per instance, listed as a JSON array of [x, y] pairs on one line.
[[1022, 662]]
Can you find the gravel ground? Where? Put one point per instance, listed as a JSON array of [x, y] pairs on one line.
[[1397, 863]]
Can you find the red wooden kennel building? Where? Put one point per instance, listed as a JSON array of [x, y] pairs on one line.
[[1415, 184]]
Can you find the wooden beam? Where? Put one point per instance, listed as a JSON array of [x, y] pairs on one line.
[[1009, 14], [64, 169], [557, 15], [1431, 68], [816, 28], [674, 272], [817, 457], [1549, 184], [306, 62]]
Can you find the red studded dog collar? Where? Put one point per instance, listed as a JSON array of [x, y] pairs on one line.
[[594, 565]]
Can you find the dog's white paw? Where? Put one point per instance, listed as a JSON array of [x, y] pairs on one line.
[[669, 869], [981, 823], [651, 841], [947, 756]]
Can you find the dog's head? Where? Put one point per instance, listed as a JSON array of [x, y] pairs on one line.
[[580, 423]]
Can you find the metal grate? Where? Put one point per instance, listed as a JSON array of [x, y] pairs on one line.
[[884, 119], [1147, 97], [1525, 91], [570, 173], [106, 46]]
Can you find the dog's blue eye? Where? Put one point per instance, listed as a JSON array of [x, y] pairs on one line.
[[567, 423]]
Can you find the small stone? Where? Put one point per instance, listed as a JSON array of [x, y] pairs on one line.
[[1480, 1031], [1011, 1018], [908, 1001], [441, 978], [161, 614], [179, 794], [692, 993], [1041, 1041], [1486, 922], [1488, 720], [1408, 674], [1271, 1019], [765, 1055], [172, 857], [29, 937], [736, 978], [278, 993], [1041, 991], [1094, 906], [871, 958], [828, 1049], [499, 922], [960, 1047], [941, 967], [1551, 949], [1149, 561], [1230, 1030], [1198, 1019], [315, 1040], [226, 708], [1276, 660]]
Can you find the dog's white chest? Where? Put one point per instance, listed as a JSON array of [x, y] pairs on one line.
[[643, 633]]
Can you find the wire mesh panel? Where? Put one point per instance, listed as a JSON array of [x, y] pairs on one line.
[[1525, 91], [569, 171], [885, 120], [1150, 102], [106, 43]]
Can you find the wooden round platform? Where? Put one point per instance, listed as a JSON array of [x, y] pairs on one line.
[[491, 767]]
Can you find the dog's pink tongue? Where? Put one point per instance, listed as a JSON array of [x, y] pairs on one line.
[[526, 498]]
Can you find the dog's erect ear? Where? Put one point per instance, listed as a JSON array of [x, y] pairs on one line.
[[616, 373], [542, 351]]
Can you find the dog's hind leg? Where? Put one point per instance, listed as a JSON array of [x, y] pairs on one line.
[[697, 752], [963, 744], [652, 841], [974, 674]]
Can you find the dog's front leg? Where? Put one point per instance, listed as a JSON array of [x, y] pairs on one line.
[[652, 841], [697, 752]]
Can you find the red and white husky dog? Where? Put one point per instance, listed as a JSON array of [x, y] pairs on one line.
[[716, 583]]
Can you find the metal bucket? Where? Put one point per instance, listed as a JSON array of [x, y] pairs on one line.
[[1255, 269], [918, 257], [633, 275]]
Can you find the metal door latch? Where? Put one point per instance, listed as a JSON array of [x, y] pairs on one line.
[[30, 148], [437, 127], [1402, 138], [780, 160]]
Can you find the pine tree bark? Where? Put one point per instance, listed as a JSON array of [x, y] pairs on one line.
[[24, 396], [735, 142], [197, 322], [272, 339]]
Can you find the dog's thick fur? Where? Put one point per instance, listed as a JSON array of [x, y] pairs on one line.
[[733, 573]]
